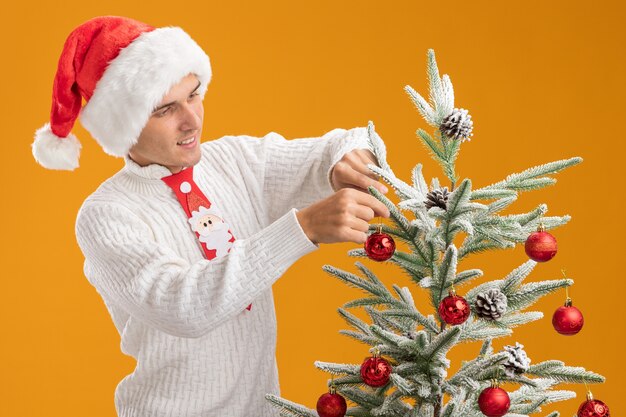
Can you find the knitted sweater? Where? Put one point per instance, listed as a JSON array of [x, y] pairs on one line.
[[199, 351]]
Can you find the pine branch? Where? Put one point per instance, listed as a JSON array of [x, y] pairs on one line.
[[347, 380], [511, 320], [423, 107], [361, 397], [477, 245], [474, 330], [436, 152], [528, 294], [470, 369], [394, 232], [486, 194], [567, 374], [428, 322], [338, 368], [404, 386], [385, 336], [358, 412], [442, 343], [465, 276], [402, 189], [500, 204], [436, 89], [360, 337], [395, 214], [419, 183], [531, 177], [381, 296], [378, 146], [444, 275], [362, 302], [515, 277], [288, 408], [354, 321]]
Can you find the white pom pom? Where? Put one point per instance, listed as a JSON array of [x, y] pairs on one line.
[[185, 187], [54, 152]]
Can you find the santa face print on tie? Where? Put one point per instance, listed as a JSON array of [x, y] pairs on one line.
[[205, 219], [213, 231]]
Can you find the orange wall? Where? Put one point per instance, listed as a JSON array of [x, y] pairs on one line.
[[542, 80]]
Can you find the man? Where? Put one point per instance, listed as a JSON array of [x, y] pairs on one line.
[[186, 240]]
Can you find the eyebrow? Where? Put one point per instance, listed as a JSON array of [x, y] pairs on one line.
[[173, 102]]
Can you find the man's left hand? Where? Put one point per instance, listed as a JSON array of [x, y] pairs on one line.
[[351, 171]]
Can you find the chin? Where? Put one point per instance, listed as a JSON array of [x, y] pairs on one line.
[[194, 160]]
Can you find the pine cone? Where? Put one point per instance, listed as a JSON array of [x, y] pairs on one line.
[[437, 198], [457, 125], [518, 362], [491, 304]]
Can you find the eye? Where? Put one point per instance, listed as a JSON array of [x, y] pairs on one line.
[[192, 95], [164, 112]]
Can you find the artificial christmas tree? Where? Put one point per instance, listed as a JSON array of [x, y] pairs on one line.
[[414, 345]]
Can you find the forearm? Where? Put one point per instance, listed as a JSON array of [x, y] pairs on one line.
[[177, 297]]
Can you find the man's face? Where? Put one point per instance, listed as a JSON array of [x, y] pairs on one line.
[[176, 119]]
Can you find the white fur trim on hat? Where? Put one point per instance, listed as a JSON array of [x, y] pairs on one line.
[[136, 81], [54, 152]]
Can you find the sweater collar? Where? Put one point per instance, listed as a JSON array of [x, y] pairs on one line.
[[151, 171]]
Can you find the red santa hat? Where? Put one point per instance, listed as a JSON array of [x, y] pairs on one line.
[[122, 68]]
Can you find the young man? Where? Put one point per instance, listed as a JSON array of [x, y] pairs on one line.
[[186, 240]]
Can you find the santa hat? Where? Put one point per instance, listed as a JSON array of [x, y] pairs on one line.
[[122, 68]]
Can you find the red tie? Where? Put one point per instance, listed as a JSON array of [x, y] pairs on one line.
[[206, 221]]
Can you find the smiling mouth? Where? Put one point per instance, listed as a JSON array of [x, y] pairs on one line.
[[187, 141]]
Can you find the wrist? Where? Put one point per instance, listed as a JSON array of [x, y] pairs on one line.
[[304, 224]]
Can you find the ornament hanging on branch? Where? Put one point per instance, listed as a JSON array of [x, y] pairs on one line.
[[379, 246], [331, 404], [593, 408], [567, 319], [494, 401], [375, 371], [453, 309], [540, 245]]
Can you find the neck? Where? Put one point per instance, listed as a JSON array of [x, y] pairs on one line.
[[172, 169]]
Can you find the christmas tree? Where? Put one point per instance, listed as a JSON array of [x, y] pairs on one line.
[[407, 373]]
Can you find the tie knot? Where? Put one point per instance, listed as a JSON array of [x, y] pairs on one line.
[[186, 190]]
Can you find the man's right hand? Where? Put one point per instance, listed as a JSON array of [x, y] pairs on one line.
[[342, 217]]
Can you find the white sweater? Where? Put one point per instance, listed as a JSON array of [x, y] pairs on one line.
[[199, 352]]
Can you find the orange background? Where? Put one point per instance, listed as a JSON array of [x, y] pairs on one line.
[[543, 81]]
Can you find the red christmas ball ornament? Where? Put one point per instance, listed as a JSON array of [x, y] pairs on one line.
[[567, 319], [454, 309], [331, 404], [379, 246], [540, 245], [593, 408], [375, 371], [494, 401]]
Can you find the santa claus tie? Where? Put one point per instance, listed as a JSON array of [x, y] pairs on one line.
[[205, 220]]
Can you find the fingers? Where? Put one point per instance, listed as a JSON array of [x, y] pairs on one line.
[[359, 160], [359, 225], [361, 179], [367, 156], [370, 201], [363, 213], [351, 235]]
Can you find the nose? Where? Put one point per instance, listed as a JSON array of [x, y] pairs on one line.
[[190, 120]]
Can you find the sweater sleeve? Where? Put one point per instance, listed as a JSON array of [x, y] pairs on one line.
[[151, 282], [296, 173]]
